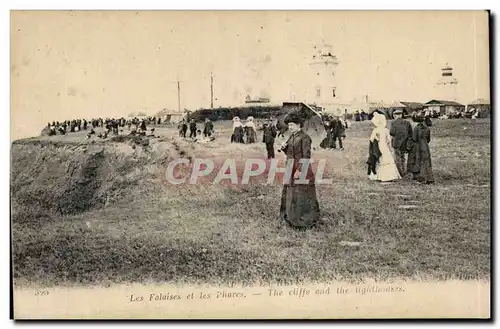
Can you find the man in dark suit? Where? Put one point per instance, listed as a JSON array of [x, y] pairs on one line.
[[192, 129], [268, 138], [401, 133], [337, 131], [209, 128]]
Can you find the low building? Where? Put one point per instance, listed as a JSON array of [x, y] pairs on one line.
[[173, 117], [379, 107], [410, 107], [170, 116], [482, 106], [259, 100], [443, 107], [388, 109]]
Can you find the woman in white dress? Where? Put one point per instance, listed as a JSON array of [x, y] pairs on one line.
[[386, 167]]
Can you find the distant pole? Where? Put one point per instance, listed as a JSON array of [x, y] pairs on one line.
[[475, 60], [211, 90], [178, 82], [179, 95]]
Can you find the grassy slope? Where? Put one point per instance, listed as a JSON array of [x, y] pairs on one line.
[[157, 232]]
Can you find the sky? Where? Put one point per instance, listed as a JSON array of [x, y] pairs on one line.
[[72, 64]]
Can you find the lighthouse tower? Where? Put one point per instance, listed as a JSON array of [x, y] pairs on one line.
[[322, 89], [447, 84]]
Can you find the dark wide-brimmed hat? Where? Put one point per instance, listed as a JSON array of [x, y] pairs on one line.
[[419, 117], [295, 118]]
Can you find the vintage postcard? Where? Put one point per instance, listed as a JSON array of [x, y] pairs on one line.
[[250, 164]]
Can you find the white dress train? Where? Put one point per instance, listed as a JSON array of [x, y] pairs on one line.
[[386, 167]]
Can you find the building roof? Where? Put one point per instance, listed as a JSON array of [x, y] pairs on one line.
[[249, 99], [378, 105], [257, 104], [166, 112], [442, 102], [480, 101], [396, 105], [175, 114], [413, 105]]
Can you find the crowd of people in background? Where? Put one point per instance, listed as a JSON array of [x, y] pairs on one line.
[[111, 126], [469, 114]]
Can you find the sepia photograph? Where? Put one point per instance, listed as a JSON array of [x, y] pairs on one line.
[[250, 164]]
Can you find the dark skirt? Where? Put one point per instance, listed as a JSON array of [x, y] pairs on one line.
[[425, 175], [251, 136], [299, 205], [411, 165], [207, 131], [420, 163], [238, 135], [327, 143]]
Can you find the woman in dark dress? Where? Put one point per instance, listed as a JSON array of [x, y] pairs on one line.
[[250, 131], [419, 159], [328, 141], [299, 204], [238, 132]]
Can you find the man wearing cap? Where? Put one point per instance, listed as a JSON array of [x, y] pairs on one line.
[[337, 131], [401, 133]]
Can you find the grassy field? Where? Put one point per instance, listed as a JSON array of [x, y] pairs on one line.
[[134, 227]]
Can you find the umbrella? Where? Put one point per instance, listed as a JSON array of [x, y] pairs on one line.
[[313, 122]]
